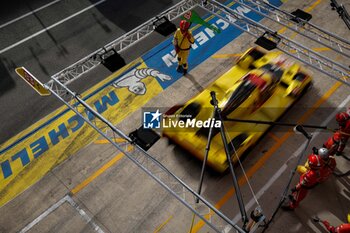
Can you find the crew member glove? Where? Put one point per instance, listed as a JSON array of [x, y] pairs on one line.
[[177, 49]]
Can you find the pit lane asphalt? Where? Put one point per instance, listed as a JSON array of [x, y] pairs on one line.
[[122, 200], [56, 49]]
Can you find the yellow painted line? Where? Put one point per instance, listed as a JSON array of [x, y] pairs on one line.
[[280, 141], [269, 153], [20, 176], [273, 136], [277, 145], [282, 30], [162, 225], [319, 102], [310, 8], [322, 49], [100, 171], [105, 141], [226, 55]]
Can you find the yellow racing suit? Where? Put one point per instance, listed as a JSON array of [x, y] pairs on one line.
[[182, 43]]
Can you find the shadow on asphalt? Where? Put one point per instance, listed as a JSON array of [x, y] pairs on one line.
[[196, 85], [6, 82], [129, 14]]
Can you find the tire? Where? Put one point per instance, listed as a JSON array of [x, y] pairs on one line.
[[246, 61]]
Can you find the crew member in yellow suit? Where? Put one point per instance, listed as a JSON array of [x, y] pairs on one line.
[[183, 39]]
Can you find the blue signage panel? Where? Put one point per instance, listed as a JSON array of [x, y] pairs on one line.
[[163, 57]]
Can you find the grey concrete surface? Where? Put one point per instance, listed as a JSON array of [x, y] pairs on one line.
[[124, 199], [56, 49]]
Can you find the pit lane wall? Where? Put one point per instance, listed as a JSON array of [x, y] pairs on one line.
[[27, 157]]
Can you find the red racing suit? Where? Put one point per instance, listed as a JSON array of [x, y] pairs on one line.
[[332, 144], [327, 168], [344, 131], [307, 181], [343, 228]]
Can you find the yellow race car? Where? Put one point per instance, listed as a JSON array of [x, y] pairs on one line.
[[261, 86]]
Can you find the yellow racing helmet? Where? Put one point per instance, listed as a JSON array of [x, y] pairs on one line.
[[348, 217]]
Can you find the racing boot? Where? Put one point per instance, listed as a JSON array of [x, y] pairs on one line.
[[179, 68], [288, 207]]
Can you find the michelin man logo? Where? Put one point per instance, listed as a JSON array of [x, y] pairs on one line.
[[132, 80]]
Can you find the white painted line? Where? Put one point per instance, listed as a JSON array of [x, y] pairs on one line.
[[43, 215], [69, 200], [29, 13], [258, 195], [227, 228], [50, 27], [314, 135], [84, 215]]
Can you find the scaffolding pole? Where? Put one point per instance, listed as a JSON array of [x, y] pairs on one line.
[[294, 49], [151, 166]]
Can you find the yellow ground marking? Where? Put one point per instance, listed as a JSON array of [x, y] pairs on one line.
[[24, 176], [281, 31], [226, 55], [273, 136], [100, 171], [97, 173], [269, 153], [105, 141], [322, 49], [162, 225], [310, 8], [280, 141]]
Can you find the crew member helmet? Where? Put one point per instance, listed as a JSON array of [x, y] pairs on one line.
[[323, 153], [184, 25], [315, 162]]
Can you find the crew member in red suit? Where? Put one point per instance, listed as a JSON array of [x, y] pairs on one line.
[[343, 120], [183, 39], [307, 181], [322, 152], [329, 164], [343, 228], [332, 144]]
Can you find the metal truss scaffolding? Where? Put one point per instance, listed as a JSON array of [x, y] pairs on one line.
[[152, 167], [294, 49], [91, 61], [174, 185], [300, 26]]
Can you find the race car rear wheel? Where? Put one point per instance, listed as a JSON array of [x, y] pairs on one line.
[[247, 59], [302, 92]]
